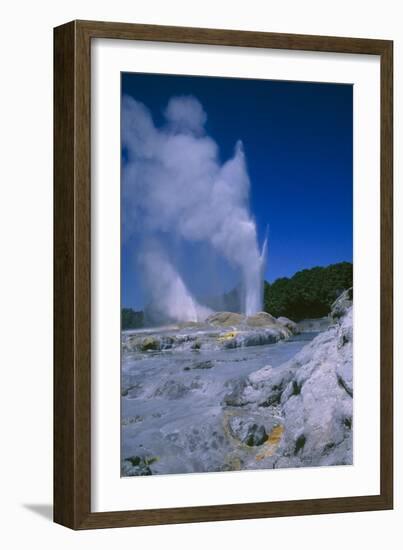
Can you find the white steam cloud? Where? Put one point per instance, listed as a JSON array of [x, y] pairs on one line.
[[174, 183]]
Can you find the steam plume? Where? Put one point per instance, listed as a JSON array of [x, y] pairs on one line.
[[174, 184]]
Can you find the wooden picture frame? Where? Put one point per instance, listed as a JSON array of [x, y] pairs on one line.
[[72, 270]]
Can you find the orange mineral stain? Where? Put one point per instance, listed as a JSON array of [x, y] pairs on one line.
[[272, 442]]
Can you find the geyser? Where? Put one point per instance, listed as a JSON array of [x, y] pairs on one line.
[[253, 293], [175, 189]]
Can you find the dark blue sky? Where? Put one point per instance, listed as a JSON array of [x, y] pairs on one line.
[[298, 144]]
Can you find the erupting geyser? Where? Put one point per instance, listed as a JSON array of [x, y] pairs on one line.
[[175, 189], [253, 282]]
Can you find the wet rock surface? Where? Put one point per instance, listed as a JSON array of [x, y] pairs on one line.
[[219, 331], [239, 399]]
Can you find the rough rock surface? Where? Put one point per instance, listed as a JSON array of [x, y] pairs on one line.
[[315, 325], [313, 395], [225, 319], [199, 399], [342, 304], [317, 404], [262, 388], [292, 327], [137, 466], [261, 319], [248, 431], [222, 330]]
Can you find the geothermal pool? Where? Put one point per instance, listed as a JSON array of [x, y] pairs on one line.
[[175, 418]]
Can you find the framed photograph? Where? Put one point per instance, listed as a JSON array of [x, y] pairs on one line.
[[222, 275]]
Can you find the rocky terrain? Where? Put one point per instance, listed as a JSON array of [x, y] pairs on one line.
[[315, 325], [238, 393], [220, 330], [313, 393]]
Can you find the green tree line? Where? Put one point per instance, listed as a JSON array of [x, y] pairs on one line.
[[309, 293], [306, 295], [131, 318]]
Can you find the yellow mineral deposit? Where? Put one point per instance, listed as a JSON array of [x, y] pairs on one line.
[[272, 442], [227, 336]]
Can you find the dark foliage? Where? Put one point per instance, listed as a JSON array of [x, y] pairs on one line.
[[132, 319], [309, 293]]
